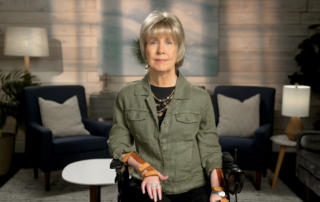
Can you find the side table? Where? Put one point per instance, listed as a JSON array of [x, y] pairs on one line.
[[284, 141], [92, 172]]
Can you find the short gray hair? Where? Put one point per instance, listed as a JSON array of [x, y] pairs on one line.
[[163, 23]]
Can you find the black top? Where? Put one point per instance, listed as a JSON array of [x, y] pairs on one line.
[[161, 93]]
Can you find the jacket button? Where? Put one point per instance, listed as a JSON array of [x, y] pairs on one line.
[[137, 116], [165, 122], [188, 118]]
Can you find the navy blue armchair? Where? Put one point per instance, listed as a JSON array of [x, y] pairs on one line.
[[48, 153], [253, 153]]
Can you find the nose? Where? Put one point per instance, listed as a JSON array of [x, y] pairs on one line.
[[160, 49]]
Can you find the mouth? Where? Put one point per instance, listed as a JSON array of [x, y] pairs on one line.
[[161, 60]]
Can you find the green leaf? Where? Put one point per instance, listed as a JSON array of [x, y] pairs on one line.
[[136, 51], [12, 101]]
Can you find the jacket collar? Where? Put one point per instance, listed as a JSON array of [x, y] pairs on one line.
[[182, 88]]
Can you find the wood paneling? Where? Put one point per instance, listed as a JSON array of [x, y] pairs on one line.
[[259, 18], [65, 54], [259, 30], [67, 41], [44, 64], [76, 30], [244, 42], [48, 17], [255, 54], [310, 18], [254, 6], [49, 5], [285, 42], [258, 65], [314, 6]]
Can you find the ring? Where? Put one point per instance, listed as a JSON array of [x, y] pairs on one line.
[[154, 185]]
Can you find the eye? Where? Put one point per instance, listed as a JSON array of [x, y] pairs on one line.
[[169, 42], [153, 42]]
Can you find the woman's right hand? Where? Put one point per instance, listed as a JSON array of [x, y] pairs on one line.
[[154, 192]]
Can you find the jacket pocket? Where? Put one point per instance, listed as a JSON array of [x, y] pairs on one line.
[[188, 126], [136, 120], [187, 118]]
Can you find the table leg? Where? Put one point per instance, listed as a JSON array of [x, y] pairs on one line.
[[279, 163], [95, 193]]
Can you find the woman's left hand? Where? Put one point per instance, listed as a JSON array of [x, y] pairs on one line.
[[215, 198]]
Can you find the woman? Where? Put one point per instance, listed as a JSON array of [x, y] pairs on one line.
[[171, 121]]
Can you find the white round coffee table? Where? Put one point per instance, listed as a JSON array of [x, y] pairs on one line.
[[284, 141], [93, 172]]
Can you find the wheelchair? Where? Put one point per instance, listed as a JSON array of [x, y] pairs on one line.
[[233, 176]]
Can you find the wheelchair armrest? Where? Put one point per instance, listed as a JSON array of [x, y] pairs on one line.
[[227, 158], [116, 164]]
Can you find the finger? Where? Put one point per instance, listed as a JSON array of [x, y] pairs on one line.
[[159, 192], [154, 192], [149, 191], [162, 177], [143, 187]]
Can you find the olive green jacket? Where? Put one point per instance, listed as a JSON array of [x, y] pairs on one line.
[[186, 149]]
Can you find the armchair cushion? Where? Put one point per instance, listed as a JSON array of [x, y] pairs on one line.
[[62, 119], [238, 119], [243, 145], [80, 143]]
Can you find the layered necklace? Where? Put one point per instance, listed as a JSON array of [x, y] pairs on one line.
[[163, 102]]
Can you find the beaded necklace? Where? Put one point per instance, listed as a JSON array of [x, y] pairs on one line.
[[163, 102]]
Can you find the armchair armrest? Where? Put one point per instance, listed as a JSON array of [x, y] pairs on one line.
[[309, 140], [40, 142], [97, 128], [261, 138]]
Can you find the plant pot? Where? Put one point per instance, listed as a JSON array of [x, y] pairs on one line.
[[6, 152]]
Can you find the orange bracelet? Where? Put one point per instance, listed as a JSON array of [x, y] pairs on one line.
[[150, 173], [144, 166]]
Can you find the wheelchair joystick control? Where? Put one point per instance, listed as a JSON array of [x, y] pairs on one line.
[[233, 175]]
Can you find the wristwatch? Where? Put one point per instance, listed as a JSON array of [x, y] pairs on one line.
[[220, 193]]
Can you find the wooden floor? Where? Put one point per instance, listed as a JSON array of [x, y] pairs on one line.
[[287, 173]]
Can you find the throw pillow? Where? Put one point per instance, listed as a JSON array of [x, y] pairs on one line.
[[62, 119], [238, 119]]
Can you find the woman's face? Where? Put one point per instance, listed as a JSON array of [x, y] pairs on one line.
[[161, 54]]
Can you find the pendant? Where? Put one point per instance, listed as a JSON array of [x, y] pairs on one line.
[[160, 113]]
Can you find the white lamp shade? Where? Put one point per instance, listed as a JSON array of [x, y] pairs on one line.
[[26, 41], [296, 101]]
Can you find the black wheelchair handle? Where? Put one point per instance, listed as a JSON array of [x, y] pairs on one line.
[[116, 164]]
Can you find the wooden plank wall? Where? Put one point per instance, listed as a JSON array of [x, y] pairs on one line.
[[257, 45]]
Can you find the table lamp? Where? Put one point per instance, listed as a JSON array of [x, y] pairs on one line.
[[295, 104], [27, 42]]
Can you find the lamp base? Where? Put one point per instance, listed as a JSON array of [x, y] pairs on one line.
[[26, 64], [294, 126], [105, 78]]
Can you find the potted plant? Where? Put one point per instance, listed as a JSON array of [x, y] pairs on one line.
[[309, 61], [135, 48], [12, 104]]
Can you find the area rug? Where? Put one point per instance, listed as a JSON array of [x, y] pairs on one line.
[[23, 187]]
